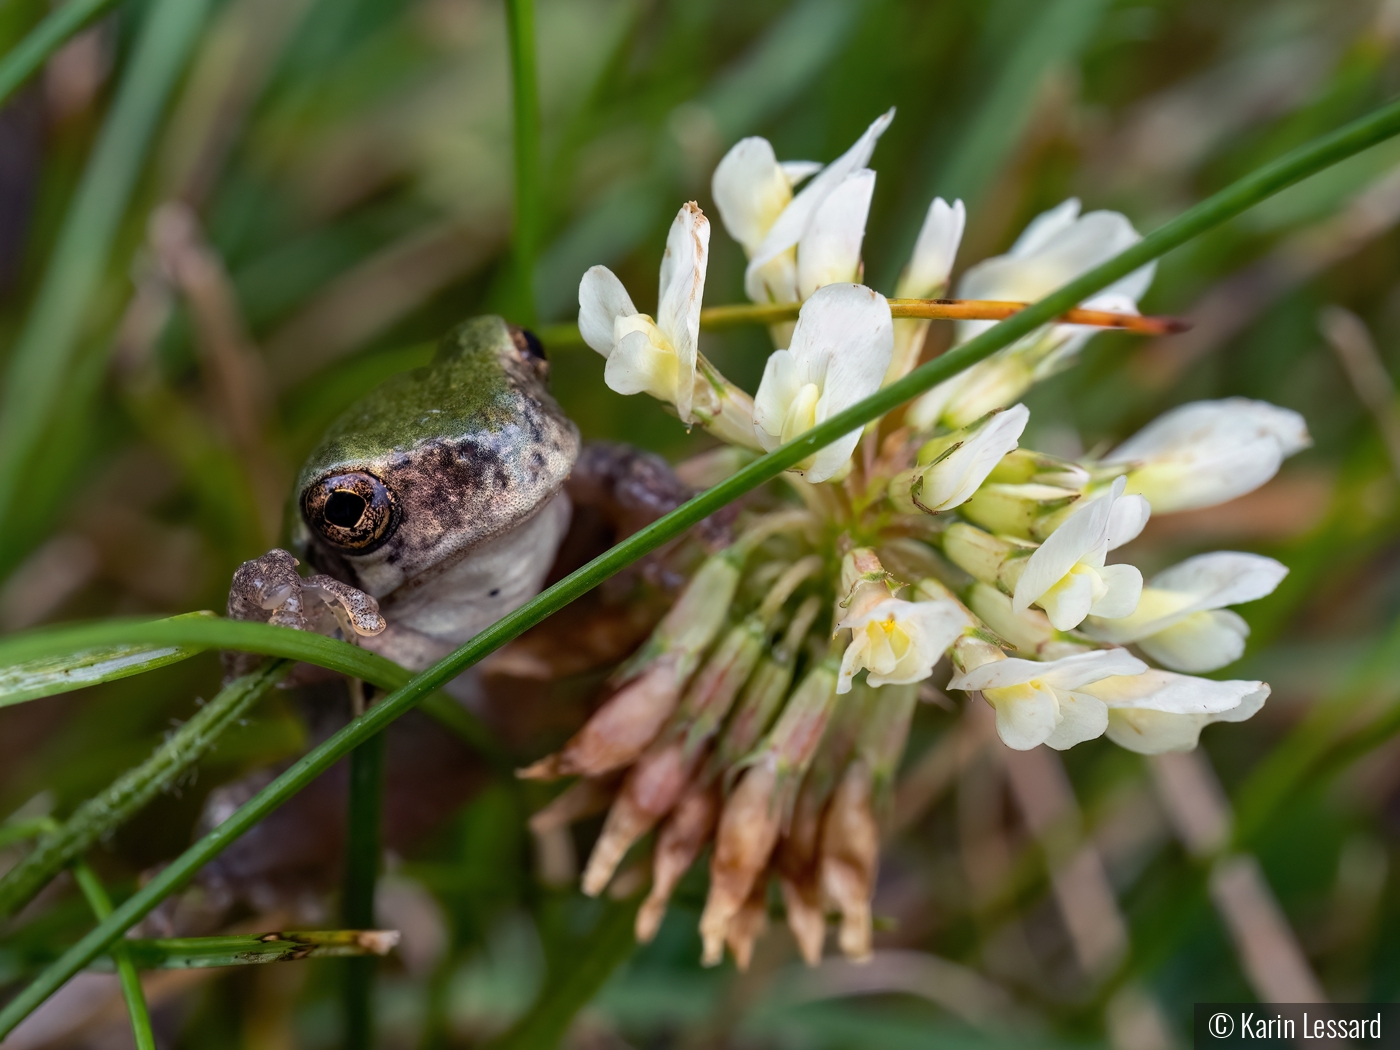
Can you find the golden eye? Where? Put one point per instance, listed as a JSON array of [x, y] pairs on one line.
[[354, 511]]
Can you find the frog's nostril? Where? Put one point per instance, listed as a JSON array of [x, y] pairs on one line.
[[345, 509]]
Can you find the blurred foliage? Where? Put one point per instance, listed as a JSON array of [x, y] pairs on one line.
[[329, 187]]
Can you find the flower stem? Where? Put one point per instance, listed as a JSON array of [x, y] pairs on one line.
[[132, 790], [529, 198], [735, 314], [1323, 152], [101, 906], [362, 853]]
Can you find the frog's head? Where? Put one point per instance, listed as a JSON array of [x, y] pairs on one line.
[[435, 461]]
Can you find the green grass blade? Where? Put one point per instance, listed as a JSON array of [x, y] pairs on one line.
[[101, 906], [529, 193], [44, 354], [64, 669], [1327, 150], [47, 37], [197, 632], [197, 953], [362, 855], [132, 790]]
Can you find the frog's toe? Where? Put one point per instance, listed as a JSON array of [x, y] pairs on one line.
[[359, 609]]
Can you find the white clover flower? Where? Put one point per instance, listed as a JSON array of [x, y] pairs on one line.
[[926, 277], [840, 350], [1058, 246], [1047, 702], [1208, 452], [1181, 620], [1066, 575], [1159, 711], [958, 470], [899, 641], [796, 244], [656, 357], [751, 188]]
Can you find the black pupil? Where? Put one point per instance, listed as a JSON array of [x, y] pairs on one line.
[[345, 509]]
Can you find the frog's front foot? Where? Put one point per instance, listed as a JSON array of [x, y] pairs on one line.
[[269, 590]]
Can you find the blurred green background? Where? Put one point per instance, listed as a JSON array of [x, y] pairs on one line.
[[221, 223]]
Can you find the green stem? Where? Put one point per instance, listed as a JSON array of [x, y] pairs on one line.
[[529, 198], [362, 853], [43, 355], [47, 37], [568, 991], [101, 906], [133, 789], [1217, 209]]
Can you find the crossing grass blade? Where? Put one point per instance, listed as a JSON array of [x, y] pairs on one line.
[[1219, 208]]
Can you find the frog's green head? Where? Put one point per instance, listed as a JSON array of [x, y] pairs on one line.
[[435, 461]]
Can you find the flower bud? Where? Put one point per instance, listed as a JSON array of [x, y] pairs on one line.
[[1024, 466], [950, 468], [1030, 511], [992, 559], [1029, 630]]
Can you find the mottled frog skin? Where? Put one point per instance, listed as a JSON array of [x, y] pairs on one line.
[[439, 495]]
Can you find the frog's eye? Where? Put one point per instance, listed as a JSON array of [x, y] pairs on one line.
[[354, 511], [528, 345]]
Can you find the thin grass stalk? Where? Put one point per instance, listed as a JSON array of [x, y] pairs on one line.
[[133, 789], [101, 906], [43, 356], [1321, 153], [25, 58], [529, 196], [362, 854]]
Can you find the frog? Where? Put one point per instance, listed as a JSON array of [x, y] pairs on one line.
[[431, 507]]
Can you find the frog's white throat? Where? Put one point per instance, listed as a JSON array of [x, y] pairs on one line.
[[442, 609]]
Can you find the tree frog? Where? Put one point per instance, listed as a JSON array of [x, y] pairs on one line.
[[432, 507]]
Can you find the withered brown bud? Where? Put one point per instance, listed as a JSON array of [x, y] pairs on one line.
[[619, 730], [680, 841], [850, 854], [651, 788]]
